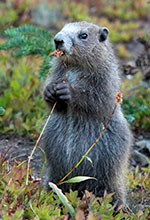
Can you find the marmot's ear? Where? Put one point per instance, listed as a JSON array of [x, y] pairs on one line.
[[103, 34]]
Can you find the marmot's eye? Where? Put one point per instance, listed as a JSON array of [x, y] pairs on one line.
[[83, 36]]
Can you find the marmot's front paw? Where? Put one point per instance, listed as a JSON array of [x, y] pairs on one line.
[[56, 92], [63, 91], [50, 93]]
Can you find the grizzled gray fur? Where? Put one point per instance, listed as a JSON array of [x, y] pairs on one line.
[[85, 100]]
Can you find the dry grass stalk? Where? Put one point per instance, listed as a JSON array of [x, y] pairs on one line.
[[37, 142], [118, 100], [56, 53]]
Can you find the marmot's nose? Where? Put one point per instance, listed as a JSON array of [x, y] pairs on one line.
[[59, 41]]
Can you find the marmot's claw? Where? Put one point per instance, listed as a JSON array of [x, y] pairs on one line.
[[63, 91], [49, 93], [56, 92]]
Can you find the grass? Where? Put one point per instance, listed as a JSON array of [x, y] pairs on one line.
[[31, 201], [136, 102], [20, 95]]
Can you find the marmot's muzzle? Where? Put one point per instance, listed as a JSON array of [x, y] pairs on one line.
[[63, 43]]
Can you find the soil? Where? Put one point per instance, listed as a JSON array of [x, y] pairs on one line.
[[15, 147]]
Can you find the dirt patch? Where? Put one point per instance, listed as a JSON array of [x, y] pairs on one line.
[[14, 147]]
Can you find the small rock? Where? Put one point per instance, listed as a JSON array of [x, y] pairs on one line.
[[140, 137], [143, 147], [140, 158], [148, 145], [46, 16], [140, 144]]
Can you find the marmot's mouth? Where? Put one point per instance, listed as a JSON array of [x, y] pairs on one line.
[[57, 53], [63, 52]]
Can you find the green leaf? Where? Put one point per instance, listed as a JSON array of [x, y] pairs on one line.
[[130, 118], [15, 85], [78, 179], [63, 199], [2, 110], [89, 159]]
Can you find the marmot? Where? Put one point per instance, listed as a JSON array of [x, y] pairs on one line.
[[85, 100]]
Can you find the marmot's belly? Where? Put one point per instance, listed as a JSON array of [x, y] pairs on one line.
[[71, 132], [67, 136]]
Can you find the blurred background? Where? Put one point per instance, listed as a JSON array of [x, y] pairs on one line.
[[20, 84]]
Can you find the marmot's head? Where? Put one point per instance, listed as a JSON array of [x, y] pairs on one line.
[[83, 41]]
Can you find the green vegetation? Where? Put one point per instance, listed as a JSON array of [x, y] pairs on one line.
[[14, 12], [20, 89], [20, 95], [119, 16], [136, 102], [2, 110], [11, 15], [20, 201], [74, 11], [29, 40], [126, 10]]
